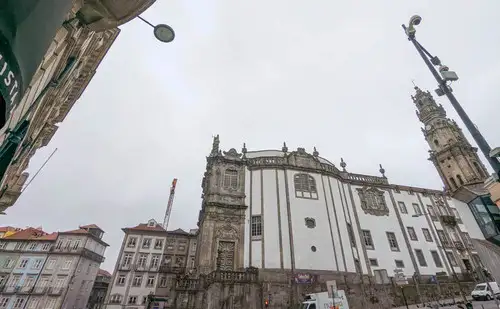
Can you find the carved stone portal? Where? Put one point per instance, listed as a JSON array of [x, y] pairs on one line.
[[373, 201], [225, 254], [227, 232]]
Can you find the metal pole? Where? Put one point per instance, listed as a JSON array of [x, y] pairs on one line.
[[478, 137], [404, 296], [147, 22]]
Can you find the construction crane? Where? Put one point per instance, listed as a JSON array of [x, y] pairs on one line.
[[169, 204]]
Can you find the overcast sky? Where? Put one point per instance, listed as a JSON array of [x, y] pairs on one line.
[[332, 74]]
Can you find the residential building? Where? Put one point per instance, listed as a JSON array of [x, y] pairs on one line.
[[99, 290], [149, 261], [58, 77], [42, 270]]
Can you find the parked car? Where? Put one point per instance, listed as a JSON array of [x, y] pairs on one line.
[[483, 292]]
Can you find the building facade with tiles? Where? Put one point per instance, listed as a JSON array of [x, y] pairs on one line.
[[149, 261], [57, 270]]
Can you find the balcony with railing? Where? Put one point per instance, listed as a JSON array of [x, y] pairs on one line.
[[459, 245], [188, 284], [140, 267], [447, 244], [125, 267], [25, 290], [172, 269], [89, 254], [11, 289], [449, 220], [55, 290], [39, 290], [227, 276]]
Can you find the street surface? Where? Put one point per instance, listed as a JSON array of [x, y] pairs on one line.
[[476, 305]]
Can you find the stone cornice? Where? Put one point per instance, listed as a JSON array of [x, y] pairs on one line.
[[312, 164]]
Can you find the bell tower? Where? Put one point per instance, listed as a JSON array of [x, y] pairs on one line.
[[453, 156], [221, 220]]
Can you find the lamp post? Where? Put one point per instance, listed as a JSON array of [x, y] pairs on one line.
[[163, 33], [444, 77], [447, 258]]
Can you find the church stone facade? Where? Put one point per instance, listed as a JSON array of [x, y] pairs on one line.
[[277, 224], [455, 159], [222, 217]]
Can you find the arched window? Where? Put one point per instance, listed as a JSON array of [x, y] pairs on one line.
[[305, 186], [479, 169], [436, 142], [231, 179], [453, 183], [460, 180]]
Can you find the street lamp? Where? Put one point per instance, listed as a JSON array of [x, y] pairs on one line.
[[163, 33], [444, 77], [447, 258]]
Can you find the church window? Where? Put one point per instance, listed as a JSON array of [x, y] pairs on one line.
[[367, 237], [305, 186], [402, 208], [412, 233], [231, 179], [313, 248], [310, 223], [479, 169], [416, 209], [393, 242], [453, 183], [256, 226], [460, 180]]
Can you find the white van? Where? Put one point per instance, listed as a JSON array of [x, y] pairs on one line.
[[482, 292]]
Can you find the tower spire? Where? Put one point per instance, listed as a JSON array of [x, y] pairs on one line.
[[453, 156]]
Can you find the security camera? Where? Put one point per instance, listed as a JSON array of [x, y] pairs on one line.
[[495, 153], [415, 20]]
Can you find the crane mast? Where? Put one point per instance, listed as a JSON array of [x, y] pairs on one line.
[[169, 204]]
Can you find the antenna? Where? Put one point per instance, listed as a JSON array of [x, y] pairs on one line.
[[169, 204]]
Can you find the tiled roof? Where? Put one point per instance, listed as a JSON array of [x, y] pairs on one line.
[[179, 231], [84, 232], [103, 272], [145, 227], [8, 229], [78, 231], [29, 233], [90, 226], [51, 236]]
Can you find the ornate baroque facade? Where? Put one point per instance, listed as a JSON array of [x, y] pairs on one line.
[[455, 159]]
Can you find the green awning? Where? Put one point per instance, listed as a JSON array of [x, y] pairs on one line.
[[9, 146], [27, 27]]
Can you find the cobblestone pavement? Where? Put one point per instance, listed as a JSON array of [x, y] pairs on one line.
[[476, 305]]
